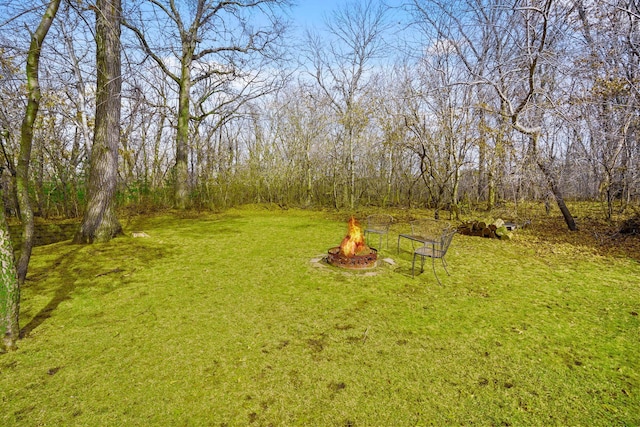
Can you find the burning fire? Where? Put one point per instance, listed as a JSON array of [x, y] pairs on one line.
[[353, 253], [353, 242]]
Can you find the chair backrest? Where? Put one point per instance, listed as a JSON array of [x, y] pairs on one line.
[[446, 238], [428, 228], [380, 222]]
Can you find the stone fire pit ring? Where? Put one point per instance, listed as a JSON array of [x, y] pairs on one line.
[[355, 262]]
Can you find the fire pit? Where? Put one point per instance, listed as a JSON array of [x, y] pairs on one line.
[[357, 261], [353, 253]]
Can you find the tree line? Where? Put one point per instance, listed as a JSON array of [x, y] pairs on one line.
[[430, 104], [214, 103]]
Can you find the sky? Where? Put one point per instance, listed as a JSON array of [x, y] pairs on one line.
[[312, 12]]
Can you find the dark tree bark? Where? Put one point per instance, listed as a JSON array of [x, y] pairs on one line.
[[99, 223]]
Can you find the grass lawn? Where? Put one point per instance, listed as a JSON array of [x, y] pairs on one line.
[[223, 320]]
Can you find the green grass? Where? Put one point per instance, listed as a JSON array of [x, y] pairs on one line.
[[223, 320]]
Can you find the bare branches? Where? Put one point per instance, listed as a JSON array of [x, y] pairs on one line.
[[147, 49]]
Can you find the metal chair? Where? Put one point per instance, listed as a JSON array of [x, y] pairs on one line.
[[433, 250], [423, 231], [379, 224]]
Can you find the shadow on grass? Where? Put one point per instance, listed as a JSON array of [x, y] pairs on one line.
[[62, 293], [73, 267]]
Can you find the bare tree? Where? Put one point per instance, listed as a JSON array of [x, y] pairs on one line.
[[440, 121], [26, 137], [342, 66], [607, 102], [11, 107], [537, 39], [216, 42], [10, 293], [295, 123], [509, 50], [99, 222]]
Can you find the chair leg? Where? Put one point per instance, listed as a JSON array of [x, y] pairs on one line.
[[444, 264], [434, 271], [413, 266]]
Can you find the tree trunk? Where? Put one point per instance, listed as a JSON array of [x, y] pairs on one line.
[[157, 174], [181, 171], [388, 193], [309, 176], [352, 172], [557, 194], [26, 137], [9, 287], [99, 223], [491, 190], [455, 208], [482, 158]]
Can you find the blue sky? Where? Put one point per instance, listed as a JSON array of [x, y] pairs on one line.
[[312, 12]]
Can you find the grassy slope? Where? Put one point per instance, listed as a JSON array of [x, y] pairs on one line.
[[222, 320]]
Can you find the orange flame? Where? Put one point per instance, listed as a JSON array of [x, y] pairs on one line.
[[354, 240]]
